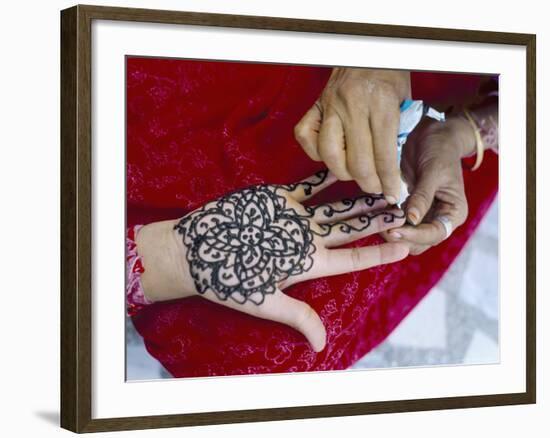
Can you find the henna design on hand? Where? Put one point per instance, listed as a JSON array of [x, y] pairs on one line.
[[328, 210], [307, 185], [365, 220], [244, 244]]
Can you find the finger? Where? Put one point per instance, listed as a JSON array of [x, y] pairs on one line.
[[312, 185], [422, 197], [306, 131], [342, 232], [414, 248], [332, 148], [418, 249], [348, 208], [385, 127], [280, 308], [432, 232], [359, 155], [340, 261], [396, 234]]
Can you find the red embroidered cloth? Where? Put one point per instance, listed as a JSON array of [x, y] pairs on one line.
[[199, 129]]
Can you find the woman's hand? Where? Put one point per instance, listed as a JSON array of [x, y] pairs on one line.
[[432, 168], [353, 127], [245, 248]]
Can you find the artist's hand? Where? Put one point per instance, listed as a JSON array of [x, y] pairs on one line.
[[431, 166], [245, 248], [353, 127]]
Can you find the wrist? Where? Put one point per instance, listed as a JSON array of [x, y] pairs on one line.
[[166, 275], [398, 81], [464, 134]]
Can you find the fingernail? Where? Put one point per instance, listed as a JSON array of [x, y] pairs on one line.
[[391, 200], [413, 215], [396, 234]]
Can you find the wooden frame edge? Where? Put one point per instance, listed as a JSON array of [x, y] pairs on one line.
[[69, 327], [303, 412], [531, 218], [302, 25], [75, 343]]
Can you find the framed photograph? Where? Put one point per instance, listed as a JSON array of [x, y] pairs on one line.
[[267, 218]]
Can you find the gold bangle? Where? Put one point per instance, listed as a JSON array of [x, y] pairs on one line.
[[480, 147]]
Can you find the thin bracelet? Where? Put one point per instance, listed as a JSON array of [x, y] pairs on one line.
[[480, 147]]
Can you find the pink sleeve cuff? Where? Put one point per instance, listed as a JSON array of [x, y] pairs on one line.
[[135, 298]]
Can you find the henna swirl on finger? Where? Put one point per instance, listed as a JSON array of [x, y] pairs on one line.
[[308, 185], [366, 220], [328, 210]]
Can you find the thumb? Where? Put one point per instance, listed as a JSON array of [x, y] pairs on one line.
[[306, 131], [302, 317], [421, 198], [281, 308]]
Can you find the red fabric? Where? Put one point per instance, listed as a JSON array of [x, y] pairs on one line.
[[198, 129]]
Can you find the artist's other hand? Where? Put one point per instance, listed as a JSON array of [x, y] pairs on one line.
[[353, 127], [431, 166], [243, 249]]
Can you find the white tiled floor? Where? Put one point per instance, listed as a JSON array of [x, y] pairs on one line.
[[482, 349], [457, 321], [425, 326]]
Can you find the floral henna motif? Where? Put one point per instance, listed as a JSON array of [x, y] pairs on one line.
[[242, 245]]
